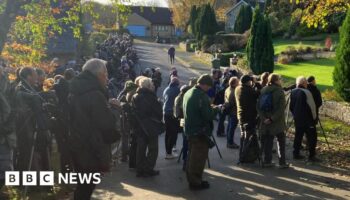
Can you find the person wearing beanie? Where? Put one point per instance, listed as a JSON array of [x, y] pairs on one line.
[[198, 127], [171, 123], [316, 94], [246, 99]]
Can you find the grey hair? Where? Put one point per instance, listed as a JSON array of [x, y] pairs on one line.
[[300, 80], [95, 66], [146, 83]]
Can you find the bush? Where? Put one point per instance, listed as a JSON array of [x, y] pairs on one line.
[[304, 31], [243, 63], [207, 41], [341, 73], [331, 95], [96, 38], [225, 59]]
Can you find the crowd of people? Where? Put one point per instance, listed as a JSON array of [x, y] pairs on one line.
[[85, 112]]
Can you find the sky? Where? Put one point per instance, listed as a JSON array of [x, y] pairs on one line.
[[161, 3]]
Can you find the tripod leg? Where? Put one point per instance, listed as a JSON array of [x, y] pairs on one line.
[[324, 134], [24, 195], [181, 152], [217, 147], [208, 162]]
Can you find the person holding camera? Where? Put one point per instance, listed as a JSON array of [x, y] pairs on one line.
[[198, 127], [271, 109], [92, 123]]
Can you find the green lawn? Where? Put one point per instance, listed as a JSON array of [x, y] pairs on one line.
[[322, 69], [316, 41]]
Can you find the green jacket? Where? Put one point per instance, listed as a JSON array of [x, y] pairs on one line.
[[198, 113], [277, 115]]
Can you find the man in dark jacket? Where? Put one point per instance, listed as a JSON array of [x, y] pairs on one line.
[[303, 108], [148, 117], [246, 99], [316, 94], [199, 116], [93, 126], [171, 123], [171, 53], [30, 120]]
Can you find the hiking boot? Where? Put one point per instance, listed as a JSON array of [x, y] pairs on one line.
[[232, 146], [283, 166], [152, 173], [171, 156], [268, 165], [204, 185], [141, 174], [314, 160], [298, 157]]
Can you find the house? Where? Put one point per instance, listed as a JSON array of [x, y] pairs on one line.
[[231, 14], [150, 22]]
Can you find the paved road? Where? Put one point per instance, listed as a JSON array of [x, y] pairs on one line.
[[228, 180]]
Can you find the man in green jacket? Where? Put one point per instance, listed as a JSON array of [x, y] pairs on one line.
[[199, 116], [271, 109]]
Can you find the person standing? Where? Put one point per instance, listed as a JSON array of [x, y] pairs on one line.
[[271, 109], [231, 110], [171, 123], [316, 94], [198, 117], [246, 99], [304, 110], [171, 53], [157, 79], [92, 124], [148, 117]]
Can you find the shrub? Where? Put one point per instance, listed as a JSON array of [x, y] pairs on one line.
[[304, 31], [244, 19], [260, 51], [331, 95], [95, 38], [243, 63], [207, 41], [341, 73]]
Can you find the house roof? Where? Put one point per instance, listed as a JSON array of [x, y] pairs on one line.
[[156, 15], [251, 3]]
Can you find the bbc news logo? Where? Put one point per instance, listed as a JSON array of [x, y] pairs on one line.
[[47, 178]]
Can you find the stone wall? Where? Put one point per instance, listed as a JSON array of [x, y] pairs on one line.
[[336, 110]]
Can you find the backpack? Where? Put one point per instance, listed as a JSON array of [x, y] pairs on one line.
[[265, 102], [250, 148]]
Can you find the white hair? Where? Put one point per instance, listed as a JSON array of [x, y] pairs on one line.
[[300, 80], [146, 83], [95, 66]]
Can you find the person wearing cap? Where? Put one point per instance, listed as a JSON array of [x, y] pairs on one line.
[[171, 53], [157, 79], [316, 94], [198, 127], [179, 115], [125, 99], [246, 99], [171, 123]]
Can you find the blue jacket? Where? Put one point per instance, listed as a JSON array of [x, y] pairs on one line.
[[169, 95]]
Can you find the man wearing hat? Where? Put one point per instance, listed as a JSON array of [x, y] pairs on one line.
[[246, 99], [316, 94], [198, 117]]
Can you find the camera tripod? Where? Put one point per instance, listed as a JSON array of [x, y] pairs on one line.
[[217, 148]]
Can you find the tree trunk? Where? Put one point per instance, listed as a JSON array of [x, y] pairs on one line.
[[7, 18]]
